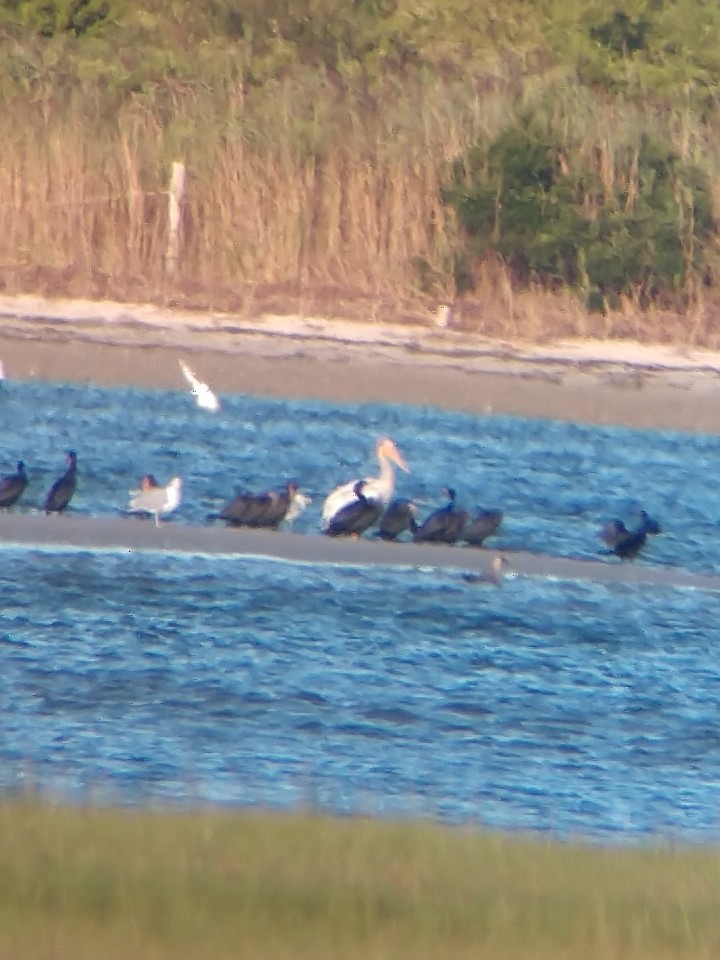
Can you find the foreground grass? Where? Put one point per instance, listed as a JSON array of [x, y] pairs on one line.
[[96, 883]]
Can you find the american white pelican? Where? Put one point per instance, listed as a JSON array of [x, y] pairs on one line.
[[61, 492], [379, 489], [12, 486], [155, 499], [204, 397], [355, 517]]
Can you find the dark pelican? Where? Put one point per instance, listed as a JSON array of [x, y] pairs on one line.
[[399, 516], [355, 517], [378, 489], [61, 492], [625, 543], [263, 509], [274, 507], [12, 486], [444, 525], [484, 525], [613, 533], [241, 510]]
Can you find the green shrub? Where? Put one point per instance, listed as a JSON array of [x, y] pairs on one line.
[[520, 199], [50, 17]]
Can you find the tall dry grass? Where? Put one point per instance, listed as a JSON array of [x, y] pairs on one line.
[[87, 883], [311, 195]]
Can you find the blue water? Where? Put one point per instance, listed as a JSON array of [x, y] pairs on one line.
[[573, 708]]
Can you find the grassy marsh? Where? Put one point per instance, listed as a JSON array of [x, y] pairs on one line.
[[84, 883]]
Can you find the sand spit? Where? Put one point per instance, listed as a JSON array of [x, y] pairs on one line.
[[292, 356]]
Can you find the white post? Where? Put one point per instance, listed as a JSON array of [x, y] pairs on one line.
[[175, 199]]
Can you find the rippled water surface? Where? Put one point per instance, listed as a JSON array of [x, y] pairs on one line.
[[577, 708]]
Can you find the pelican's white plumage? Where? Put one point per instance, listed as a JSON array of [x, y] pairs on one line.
[[204, 397], [156, 499], [379, 489]]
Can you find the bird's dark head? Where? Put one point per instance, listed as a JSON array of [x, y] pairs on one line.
[[648, 524], [21, 466], [71, 456], [451, 492]]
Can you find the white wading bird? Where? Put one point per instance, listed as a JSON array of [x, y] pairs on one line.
[[375, 489], [155, 499], [204, 397]]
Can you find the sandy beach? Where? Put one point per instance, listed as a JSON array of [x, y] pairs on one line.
[[600, 382]]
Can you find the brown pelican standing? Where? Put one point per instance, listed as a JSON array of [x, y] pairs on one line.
[[12, 486], [480, 527], [275, 506], [240, 510], [266, 510], [61, 492], [399, 516], [357, 516], [379, 489], [155, 499], [444, 525]]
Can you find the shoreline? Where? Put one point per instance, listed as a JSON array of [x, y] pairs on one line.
[[112, 344]]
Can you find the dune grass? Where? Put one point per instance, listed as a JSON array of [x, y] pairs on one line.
[[86, 883], [320, 138]]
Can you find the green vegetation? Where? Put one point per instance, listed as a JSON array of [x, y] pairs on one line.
[[532, 159], [81, 884]]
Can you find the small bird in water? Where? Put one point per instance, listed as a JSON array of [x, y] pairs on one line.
[[625, 543], [12, 486], [204, 397], [494, 576], [155, 499], [61, 492]]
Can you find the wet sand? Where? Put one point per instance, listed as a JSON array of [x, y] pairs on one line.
[[115, 344], [132, 534]]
